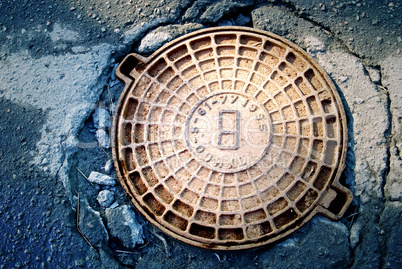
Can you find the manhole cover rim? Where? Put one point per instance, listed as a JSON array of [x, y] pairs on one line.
[[315, 208]]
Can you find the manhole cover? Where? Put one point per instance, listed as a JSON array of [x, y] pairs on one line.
[[230, 138]]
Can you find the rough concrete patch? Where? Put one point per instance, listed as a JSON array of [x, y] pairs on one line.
[[91, 225], [154, 40], [138, 30], [391, 69], [123, 225], [68, 87], [107, 260], [364, 102], [390, 222], [367, 107], [325, 244], [354, 237], [314, 45], [217, 10], [164, 34], [368, 28], [62, 34], [279, 20]]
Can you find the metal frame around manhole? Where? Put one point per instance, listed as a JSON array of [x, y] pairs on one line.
[[230, 138]]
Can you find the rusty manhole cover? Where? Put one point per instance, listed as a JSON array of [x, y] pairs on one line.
[[230, 138]]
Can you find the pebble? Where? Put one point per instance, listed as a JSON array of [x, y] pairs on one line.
[[374, 74], [105, 198], [101, 118], [109, 166], [72, 8], [101, 179], [343, 79], [103, 138], [242, 20]]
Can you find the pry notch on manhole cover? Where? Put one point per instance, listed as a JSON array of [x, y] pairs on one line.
[[230, 138]]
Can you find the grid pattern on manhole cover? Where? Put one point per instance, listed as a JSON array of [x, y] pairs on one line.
[[229, 138]]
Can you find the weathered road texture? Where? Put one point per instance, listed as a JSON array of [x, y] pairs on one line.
[[56, 68]]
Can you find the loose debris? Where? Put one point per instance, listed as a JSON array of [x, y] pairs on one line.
[[101, 179]]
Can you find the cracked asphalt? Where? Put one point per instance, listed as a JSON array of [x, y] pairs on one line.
[[57, 63]]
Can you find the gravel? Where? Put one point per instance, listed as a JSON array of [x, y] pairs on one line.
[[101, 179]]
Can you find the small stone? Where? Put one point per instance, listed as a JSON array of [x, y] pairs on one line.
[[103, 138], [116, 30], [91, 225], [357, 18], [359, 101], [351, 39], [101, 118], [79, 49], [225, 23], [109, 166], [379, 39], [103, 29], [242, 20], [105, 198], [343, 79], [323, 7], [374, 74], [157, 12], [72, 8], [114, 205], [391, 4], [354, 236], [123, 225], [101, 179]]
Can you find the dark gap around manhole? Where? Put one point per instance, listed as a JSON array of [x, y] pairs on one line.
[[338, 203]]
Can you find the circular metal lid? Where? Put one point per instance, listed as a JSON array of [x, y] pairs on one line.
[[230, 138]]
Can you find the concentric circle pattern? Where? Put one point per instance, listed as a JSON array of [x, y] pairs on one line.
[[228, 139]]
